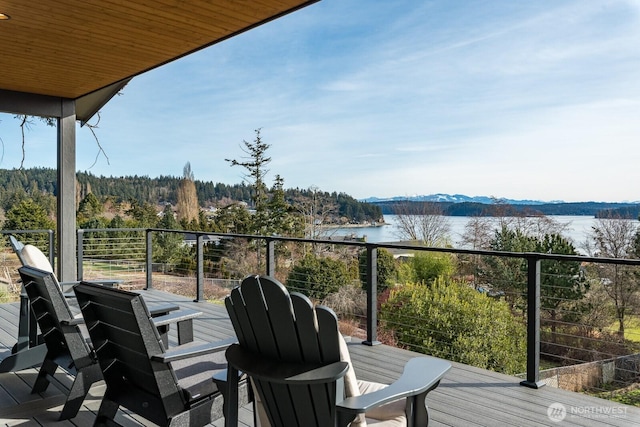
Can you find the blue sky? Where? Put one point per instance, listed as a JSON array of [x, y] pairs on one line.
[[514, 99]]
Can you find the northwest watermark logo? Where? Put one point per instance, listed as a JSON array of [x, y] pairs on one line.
[[557, 412]]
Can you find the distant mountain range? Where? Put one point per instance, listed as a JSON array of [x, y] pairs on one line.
[[461, 198], [451, 198], [461, 205]]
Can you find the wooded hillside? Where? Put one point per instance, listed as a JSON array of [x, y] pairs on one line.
[[596, 209], [164, 189]]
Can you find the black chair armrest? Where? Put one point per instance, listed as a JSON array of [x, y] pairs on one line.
[[192, 350], [176, 316], [162, 308], [104, 282], [420, 375], [68, 293], [286, 373], [322, 374]]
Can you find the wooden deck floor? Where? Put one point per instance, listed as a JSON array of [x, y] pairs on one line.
[[467, 396]]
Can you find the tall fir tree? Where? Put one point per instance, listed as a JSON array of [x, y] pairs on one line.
[[255, 164]]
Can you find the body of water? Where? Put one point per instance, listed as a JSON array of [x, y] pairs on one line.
[[577, 229]]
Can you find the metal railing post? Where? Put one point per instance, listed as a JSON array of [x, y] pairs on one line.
[[80, 250], [533, 323], [149, 259], [372, 296], [199, 268], [271, 257], [52, 255]]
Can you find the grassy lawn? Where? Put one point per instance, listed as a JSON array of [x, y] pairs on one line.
[[111, 267], [631, 328], [628, 395], [108, 266], [548, 364]]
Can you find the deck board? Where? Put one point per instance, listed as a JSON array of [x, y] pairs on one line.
[[467, 396]]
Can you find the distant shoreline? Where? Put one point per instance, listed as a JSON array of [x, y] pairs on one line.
[[378, 224], [574, 227]]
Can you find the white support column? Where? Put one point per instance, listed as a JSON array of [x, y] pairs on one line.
[[66, 192]]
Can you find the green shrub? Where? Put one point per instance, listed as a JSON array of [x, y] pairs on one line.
[[318, 277], [453, 321], [426, 267]]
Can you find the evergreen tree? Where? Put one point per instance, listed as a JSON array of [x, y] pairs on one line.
[[167, 246], [232, 218], [89, 208], [143, 214], [281, 220], [561, 282], [255, 164], [168, 220], [28, 215], [13, 197], [508, 275]]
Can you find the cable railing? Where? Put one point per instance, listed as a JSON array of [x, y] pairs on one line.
[[564, 314]]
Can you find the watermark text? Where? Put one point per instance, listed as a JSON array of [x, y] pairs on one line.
[[558, 412]]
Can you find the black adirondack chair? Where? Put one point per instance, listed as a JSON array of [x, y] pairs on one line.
[[300, 367], [65, 345], [169, 388], [30, 350]]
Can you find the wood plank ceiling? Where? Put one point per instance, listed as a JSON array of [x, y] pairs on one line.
[[71, 48]]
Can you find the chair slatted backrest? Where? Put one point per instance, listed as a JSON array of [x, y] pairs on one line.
[[125, 340], [65, 342], [287, 328]]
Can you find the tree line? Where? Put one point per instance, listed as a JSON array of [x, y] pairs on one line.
[[596, 209], [40, 184]]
